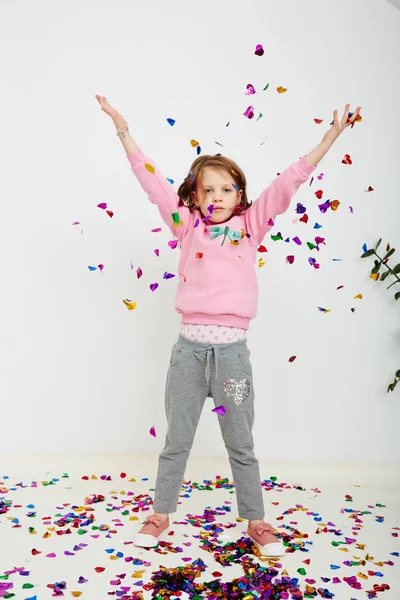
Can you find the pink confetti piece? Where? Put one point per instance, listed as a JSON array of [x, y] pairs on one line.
[[76, 223], [250, 90], [51, 555], [153, 431], [290, 259], [271, 222], [173, 244], [153, 286], [139, 272], [157, 252], [101, 267], [249, 112], [156, 230], [259, 51], [220, 410], [102, 205]]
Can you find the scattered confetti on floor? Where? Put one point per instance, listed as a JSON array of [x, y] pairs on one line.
[[73, 536]]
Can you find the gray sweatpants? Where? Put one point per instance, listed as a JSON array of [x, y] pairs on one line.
[[222, 371]]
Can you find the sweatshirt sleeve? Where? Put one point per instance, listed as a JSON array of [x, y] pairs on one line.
[[275, 199], [160, 192]]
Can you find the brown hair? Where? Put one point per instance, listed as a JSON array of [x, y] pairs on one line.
[[219, 162]]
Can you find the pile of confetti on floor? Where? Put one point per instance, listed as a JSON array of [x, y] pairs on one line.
[[203, 537]]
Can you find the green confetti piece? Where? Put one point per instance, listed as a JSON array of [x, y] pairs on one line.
[[301, 571]]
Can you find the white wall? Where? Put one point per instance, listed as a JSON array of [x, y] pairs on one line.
[[81, 373]]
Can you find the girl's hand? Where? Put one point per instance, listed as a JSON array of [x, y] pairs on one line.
[[339, 126], [106, 106]]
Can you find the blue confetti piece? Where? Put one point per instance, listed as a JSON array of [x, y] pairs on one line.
[[365, 248], [335, 567], [171, 180], [92, 268], [171, 122], [317, 226], [395, 554]]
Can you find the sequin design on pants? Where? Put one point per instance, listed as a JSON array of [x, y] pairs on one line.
[[237, 391]]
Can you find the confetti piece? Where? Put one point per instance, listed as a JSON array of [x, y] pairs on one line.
[[199, 255], [153, 431], [281, 90], [173, 244], [110, 213], [290, 259], [139, 273], [261, 262], [157, 252], [150, 168], [297, 241], [292, 358], [347, 160], [324, 310], [262, 249], [304, 218], [153, 286], [129, 304], [300, 209], [250, 90], [359, 296], [168, 275], [335, 204], [171, 122], [176, 219], [249, 112], [102, 205], [220, 410], [259, 51], [156, 230]]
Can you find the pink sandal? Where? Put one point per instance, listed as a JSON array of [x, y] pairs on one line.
[[153, 527]]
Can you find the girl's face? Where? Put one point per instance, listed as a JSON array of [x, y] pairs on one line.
[[219, 190]]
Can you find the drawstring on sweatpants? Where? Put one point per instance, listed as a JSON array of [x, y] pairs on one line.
[[209, 354]]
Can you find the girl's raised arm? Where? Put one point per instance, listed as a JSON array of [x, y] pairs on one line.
[[119, 121]]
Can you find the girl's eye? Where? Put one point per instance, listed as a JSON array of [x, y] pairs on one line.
[[226, 189]]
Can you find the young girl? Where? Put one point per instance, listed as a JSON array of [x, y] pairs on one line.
[[219, 232]]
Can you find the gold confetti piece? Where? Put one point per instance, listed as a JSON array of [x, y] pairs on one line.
[[343, 549], [194, 143], [76, 594], [114, 557], [360, 546], [94, 477], [379, 564], [374, 276], [358, 296], [129, 304], [281, 90], [46, 535], [335, 204], [132, 479], [261, 262], [138, 574], [362, 575], [239, 519], [133, 518], [150, 168]]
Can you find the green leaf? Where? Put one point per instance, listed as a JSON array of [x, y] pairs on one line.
[[397, 295], [389, 253], [376, 247], [396, 269], [390, 388], [368, 253], [384, 275], [398, 373], [376, 267]]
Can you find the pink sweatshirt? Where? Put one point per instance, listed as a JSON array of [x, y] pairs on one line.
[[220, 288]]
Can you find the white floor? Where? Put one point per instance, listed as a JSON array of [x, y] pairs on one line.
[[323, 493]]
